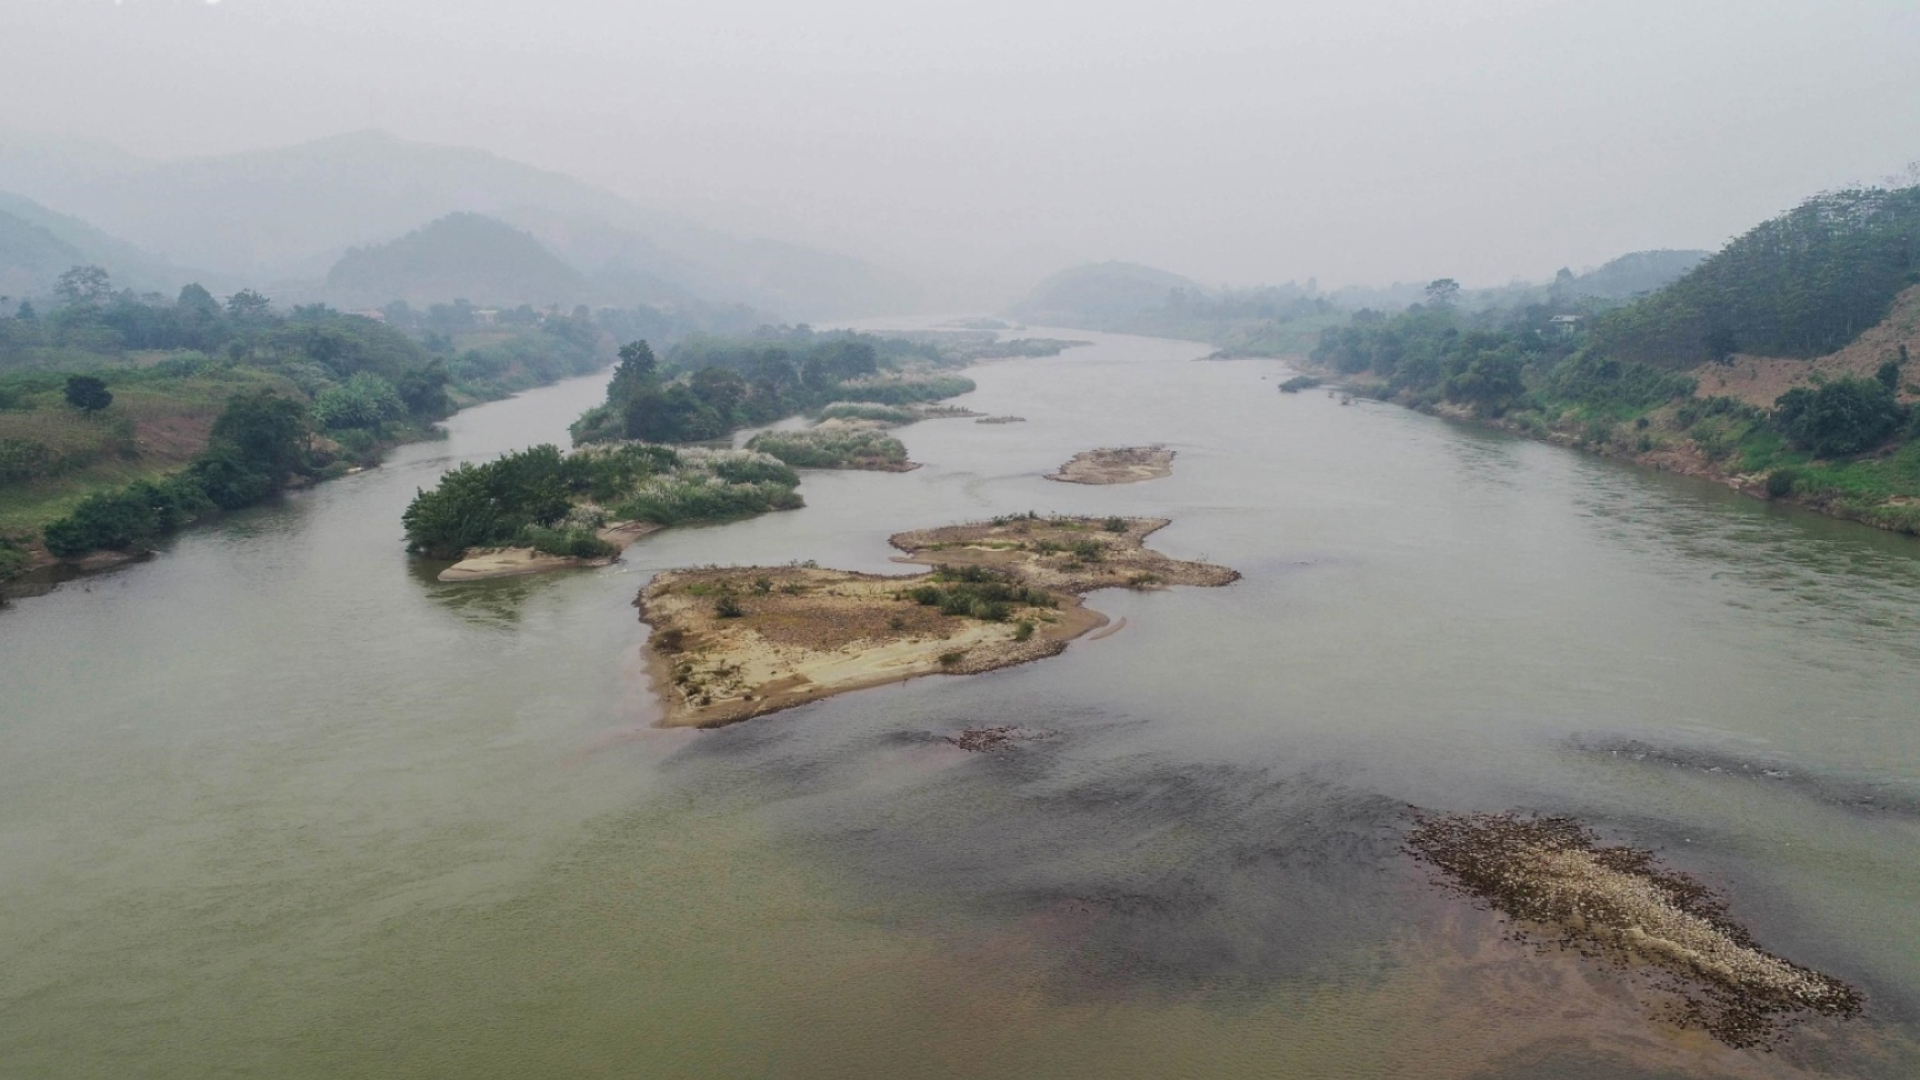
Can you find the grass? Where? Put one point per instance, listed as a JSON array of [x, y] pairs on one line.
[[154, 427]]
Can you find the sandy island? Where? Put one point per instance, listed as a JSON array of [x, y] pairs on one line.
[[1123, 465], [480, 564], [1617, 903], [733, 643]]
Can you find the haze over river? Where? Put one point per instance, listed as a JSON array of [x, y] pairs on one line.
[[279, 804]]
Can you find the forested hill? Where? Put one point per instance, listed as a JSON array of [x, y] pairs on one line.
[[1801, 285], [459, 257]]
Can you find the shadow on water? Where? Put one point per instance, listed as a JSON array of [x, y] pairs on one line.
[[1149, 875]]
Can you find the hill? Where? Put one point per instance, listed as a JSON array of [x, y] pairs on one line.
[[460, 256], [1630, 275], [290, 213], [1103, 296], [37, 245], [1801, 285], [31, 257]]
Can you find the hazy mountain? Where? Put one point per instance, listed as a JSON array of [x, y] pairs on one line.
[[292, 212], [38, 245], [1635, 273], [1101, 295], [460, 256]]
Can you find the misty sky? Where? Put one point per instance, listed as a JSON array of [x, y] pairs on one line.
[[1238, 141]]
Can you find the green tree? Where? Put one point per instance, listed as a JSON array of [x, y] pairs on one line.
[[87, 393], [268, 431], [84, 286], [637, 370], [1443, 292], [247, 306]]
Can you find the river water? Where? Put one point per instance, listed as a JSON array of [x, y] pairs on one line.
[[277, 803]]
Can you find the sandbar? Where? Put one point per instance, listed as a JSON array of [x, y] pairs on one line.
[[1118, 465], [481, 564], [737, 642]]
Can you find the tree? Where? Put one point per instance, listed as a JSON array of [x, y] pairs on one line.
[[248, 305], [1443, 292], [195, 299], [87, 393], [1889, 376], [637, 369], [268, 431], [83, 286]]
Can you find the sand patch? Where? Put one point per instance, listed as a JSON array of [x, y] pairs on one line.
[[481, 564]]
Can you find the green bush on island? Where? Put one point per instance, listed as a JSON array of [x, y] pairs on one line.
[[977, 592], [831, 448], [548, 500]]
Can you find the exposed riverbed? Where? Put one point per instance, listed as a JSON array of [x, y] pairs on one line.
[[278, 803]]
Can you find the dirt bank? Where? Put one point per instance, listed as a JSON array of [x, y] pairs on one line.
[[732, 643], [1121, 465]]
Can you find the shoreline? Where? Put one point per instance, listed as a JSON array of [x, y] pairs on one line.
[[1684, 460]]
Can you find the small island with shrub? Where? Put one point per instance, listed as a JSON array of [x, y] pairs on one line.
[[540, 509], [737, 642]]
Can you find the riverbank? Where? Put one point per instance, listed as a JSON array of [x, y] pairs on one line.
[[734, 643], [1717, 439], [158, 441]]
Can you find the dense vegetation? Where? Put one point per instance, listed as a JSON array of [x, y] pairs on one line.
[[1802, 285], [554, 502], [711, 387], [833, 448], [103, 390], [1844, 443], [259, 442]]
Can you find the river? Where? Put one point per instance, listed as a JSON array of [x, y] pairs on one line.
[[277, 803]]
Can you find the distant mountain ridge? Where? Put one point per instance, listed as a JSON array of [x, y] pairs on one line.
[[286, 215]]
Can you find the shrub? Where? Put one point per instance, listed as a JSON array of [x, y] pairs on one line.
[[87, 393], [1781, 482], [1843, 417], [364, 401], [727, 607], [1115, 524]]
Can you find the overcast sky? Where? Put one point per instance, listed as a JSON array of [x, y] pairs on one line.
[[1235, 141]]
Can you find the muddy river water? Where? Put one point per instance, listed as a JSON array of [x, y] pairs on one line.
[[279, 804]]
